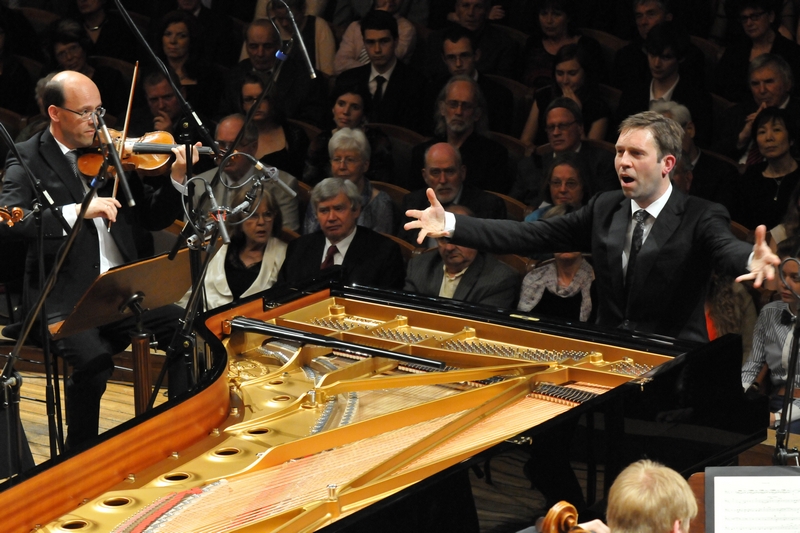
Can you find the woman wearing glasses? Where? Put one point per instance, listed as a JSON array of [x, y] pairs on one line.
[[564, 183]]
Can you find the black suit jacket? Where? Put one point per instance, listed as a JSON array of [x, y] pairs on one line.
[[668, 290], [403, 100], [371, 259], [155, 209], [487, 281]]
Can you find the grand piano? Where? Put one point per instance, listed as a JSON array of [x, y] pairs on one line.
[[338, 408]]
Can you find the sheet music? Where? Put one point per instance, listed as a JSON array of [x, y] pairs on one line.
[[757, 503]]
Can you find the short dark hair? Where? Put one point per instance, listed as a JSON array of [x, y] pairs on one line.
[[354, 88], [53, 94], [667, 35], [568, 104], [771, 115], [379, 20], [456, 32]]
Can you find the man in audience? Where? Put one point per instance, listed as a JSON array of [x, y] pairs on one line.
[[703, 175], [301, 97], [564, 125], [498, 51], [630, 62], [771, 86], [460, 56], [461, 120], [239, 168], [648, 497], [397, 90], [221, 40], [445, 173], [365, 257], [463, 273]]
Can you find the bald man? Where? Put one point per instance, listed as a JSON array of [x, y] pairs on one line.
[[70, 98]]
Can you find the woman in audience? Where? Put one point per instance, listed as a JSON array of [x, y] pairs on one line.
[[555, 22], [561, 288], [178, 44], [107, 30], [316, 33], [565, 183], [280, 144], [350, 110], [250, 263], [350, 158], [574, 79], [764, 189]]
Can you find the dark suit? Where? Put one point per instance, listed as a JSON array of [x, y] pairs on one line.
[[487, 281], [89, 352], [371, 259], [689, 238], [481, 203], [631, 66], [714, 181], [403, 99]]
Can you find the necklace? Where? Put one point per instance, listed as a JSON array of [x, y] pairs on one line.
[[94, 28], [777, 187]]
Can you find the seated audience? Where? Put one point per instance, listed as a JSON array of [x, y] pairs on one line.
[[445, 173], [38, 122], [351, 107], [462, 273], [347, 11], [352, 53], [461, 121], [564, 183], [222, 41], [564, 126], [397, 89], [772, 339], [251, 262], [364, 256], [350, 156], [108, 32], [556, 31], [315, 31], [574, 79], [666, 46], [763, 191], [758, 19], [562, 288], [280, 144]]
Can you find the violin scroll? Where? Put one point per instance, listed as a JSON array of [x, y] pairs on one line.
[[11, 216]]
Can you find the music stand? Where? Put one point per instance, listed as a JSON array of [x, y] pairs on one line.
[[125, 291]]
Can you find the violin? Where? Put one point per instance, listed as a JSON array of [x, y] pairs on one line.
[[10, 216], [149, 153]]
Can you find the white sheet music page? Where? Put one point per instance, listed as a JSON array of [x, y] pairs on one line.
[[769, 504]]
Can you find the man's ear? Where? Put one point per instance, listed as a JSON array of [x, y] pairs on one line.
[[668, 161], [52, 112]]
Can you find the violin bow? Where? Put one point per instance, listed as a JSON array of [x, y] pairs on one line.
[[121, 148]]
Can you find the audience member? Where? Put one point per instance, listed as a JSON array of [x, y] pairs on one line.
[[498, 52], [108, 32], [352, 53], [41, 121], [462, 273], [280, 144], [724, 28], [445, 173], [461, 121], [649, 497], [666, 46], [565, 183], [758, 20], [349, 153], [366, 257], [460, 56], [730, 309], [564, 125], [348, 11], [771, 85], [397, 90], [16, 86], [772, 339], [301, 97], [221, 41], [762, 193], [561, 288], [556, 31], [630, 62], [709, 178], [315, 32], [573, 78]]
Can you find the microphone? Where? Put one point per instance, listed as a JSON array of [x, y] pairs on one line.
[[299, 37], [219, 214], [249, 198], [108, 143]]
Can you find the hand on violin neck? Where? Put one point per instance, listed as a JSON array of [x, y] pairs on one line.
[[101, 207], [178, 172]]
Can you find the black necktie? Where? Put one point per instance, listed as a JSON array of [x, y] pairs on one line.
[[72, 157], [378, 96], [639, 217]]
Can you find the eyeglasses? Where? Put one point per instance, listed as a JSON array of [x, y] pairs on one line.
[[550, 128], [86, 113], [752, 17], [70, 50], [570, 184], [348, 161], [268, 216], [455, 104]]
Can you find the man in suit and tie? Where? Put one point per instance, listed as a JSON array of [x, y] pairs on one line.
[[653, 247], [397, 90], [463, 273], [70, 99], [364, 256]]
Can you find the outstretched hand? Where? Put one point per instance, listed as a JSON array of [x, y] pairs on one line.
[[430, 222], [762, 267]]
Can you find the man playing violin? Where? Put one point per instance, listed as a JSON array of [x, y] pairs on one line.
[[70, 99]]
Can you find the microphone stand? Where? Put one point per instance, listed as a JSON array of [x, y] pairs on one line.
[[783, 456]]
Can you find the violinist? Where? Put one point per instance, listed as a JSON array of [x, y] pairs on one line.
[[70, 99]]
